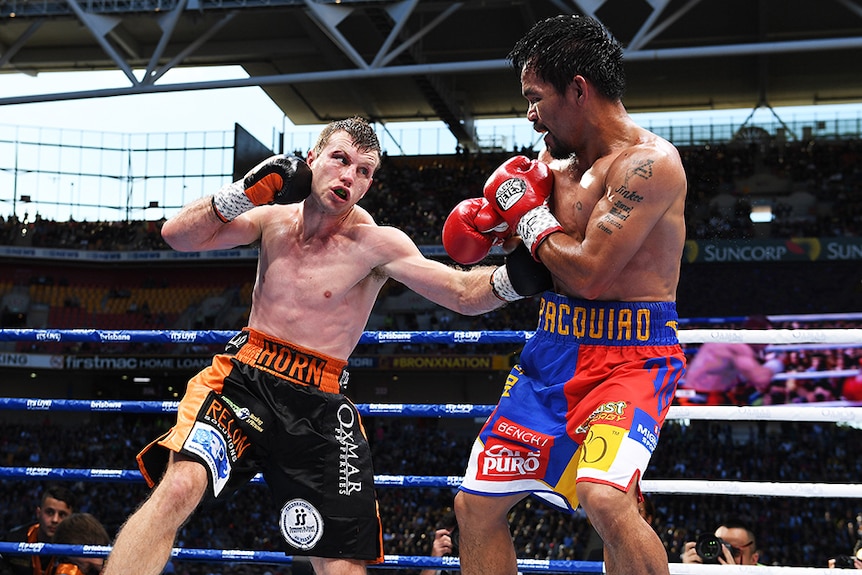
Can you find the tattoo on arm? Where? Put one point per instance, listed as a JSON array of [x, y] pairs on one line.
[[643, 169], [624, 202], [625, 199]]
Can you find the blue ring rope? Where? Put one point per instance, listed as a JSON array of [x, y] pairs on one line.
[[134, 476], [247, 556]]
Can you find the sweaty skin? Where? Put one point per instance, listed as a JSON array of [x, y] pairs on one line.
[[621, 206], [323, 261]]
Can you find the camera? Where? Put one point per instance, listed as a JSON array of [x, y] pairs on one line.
[[709, 548], [844, 562], [455, 534]]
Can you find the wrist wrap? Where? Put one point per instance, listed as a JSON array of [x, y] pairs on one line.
[[535, 226]]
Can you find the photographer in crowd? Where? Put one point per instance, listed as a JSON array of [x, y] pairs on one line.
[[733, 543], [445, 543], [853, 561]]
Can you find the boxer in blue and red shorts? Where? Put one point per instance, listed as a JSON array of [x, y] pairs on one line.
[[603, 210], [586, 402]]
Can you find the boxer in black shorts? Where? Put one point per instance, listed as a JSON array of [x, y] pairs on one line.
[[272, 402], [248, 413]]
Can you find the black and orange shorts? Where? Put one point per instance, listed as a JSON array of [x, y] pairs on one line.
[[268, 406]]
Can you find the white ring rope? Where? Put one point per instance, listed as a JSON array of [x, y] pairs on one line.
[[773, 336], [811, 412], [751, 488], [700, 569]]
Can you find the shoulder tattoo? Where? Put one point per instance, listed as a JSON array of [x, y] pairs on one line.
[[625, 199]]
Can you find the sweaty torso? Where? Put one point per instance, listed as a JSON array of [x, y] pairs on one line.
[[315, 291], [593, 202]]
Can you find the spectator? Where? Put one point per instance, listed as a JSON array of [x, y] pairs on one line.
[[55, 505], [738, 546], [80, 529], [445, 542]]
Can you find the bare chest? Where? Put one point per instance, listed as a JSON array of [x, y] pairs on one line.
[[318, 273], [575, 198]]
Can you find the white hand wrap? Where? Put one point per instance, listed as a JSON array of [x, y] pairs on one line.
[[502, 287], [536, 225], [231, 201]]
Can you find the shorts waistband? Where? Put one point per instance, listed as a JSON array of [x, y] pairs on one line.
[[613, 323], [288, 361]]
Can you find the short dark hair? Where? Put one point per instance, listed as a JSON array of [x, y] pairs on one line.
[[559, 48], [60, 493], [81, 529], [740, 523], [359, 130]]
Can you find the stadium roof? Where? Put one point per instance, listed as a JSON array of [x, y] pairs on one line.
[[400, 60]]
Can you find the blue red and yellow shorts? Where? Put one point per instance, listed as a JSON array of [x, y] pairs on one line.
[[268, 406], [585, 403]]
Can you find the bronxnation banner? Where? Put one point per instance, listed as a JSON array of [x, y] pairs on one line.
[[773, 250]]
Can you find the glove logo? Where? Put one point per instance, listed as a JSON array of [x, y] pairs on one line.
[[301, 524], [510, 192]]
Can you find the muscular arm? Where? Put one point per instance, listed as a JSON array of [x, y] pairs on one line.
[[467, 292], [197, 228], [631, 245]]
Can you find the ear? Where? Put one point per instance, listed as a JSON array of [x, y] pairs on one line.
[[579, 89]]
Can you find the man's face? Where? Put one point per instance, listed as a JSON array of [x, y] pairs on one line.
[[744, 552], [342, 172], [50, 514], [548, 111]]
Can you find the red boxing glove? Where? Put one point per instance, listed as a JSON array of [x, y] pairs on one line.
[[519, 186], [472, 229]]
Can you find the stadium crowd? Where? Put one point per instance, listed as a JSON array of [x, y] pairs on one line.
[[815, 188]]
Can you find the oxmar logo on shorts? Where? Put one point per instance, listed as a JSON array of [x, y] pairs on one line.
[[301, 524]]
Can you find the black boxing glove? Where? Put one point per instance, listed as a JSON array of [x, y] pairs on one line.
[[277, 180], [521, 276]]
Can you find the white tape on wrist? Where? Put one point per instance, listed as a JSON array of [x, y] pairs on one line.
[[502, 287], [231, 201], [536, 225]]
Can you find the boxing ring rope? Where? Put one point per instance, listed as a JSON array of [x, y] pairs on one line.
[[398, 562], [786, 338], [686, 336]]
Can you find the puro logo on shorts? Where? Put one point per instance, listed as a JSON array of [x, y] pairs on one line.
[[301, 524], [504, 461]]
